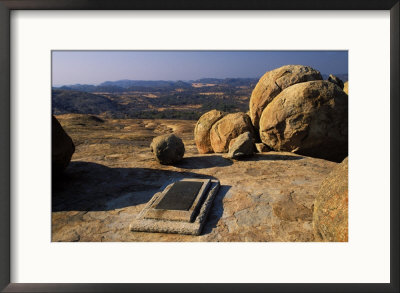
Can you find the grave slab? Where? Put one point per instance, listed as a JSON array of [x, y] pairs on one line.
[[197, 196], [180, 201]]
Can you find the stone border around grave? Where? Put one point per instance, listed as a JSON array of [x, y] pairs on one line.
[[140, 224], [178, 215]]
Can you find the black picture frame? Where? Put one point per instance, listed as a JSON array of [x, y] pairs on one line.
[[7, 6]]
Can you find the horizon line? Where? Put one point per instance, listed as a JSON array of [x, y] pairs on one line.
[[171, 80]]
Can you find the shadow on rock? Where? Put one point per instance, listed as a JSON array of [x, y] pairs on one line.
[[272, 157], [86, 186], [216, 211], [203, 162]]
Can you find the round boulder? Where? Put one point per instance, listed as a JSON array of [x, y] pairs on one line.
[[241, 146], [309, 118], [228, 128], [275, 81], [168, 149], [62, 147], [202, 130], [330, 216]]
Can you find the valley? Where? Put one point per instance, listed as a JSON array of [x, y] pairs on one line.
[[154, 99]]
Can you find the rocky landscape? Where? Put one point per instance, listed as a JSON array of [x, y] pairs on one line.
[[274, 165]]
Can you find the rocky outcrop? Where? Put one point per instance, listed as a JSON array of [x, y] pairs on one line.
[[241, 146], [62, 147], [275, 81], [168, 149], [228, 128], [346, 87], [309, 118], [336, 80], [288, 210], [268, 197], [330, 217], [202, 130]]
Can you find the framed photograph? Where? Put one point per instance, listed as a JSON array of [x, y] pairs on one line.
[[199, 146]]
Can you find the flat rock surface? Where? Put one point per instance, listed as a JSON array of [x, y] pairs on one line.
[[113, 174]]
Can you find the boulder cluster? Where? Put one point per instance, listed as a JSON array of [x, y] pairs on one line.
[[217, 132], [291, 109]]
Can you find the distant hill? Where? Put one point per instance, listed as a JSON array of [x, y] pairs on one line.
[[126, 85], [142, 83], [173, 102], [66, 101], [165, 83], [228, 81], [93, 88]]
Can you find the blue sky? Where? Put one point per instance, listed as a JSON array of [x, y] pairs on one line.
[[94, 67]]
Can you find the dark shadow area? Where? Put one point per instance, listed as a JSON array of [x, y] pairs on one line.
[[203, 162], [86, 186], [216, 211], [334, 152], [271, 157]]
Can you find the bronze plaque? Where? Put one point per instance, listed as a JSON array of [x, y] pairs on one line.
[[180, 196]]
